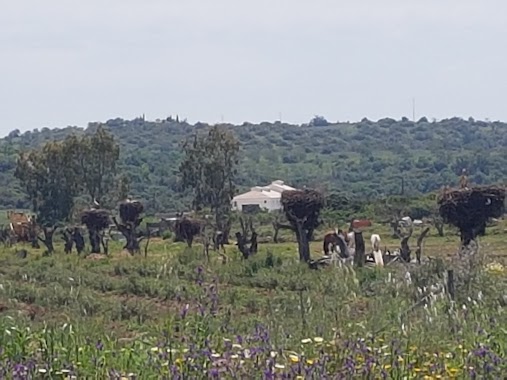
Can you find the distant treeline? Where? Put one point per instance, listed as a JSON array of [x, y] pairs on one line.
[[366, 160]]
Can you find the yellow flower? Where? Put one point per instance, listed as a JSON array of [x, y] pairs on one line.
[[318, 339], [387, 366], [299, 377], [309, 361], [294, 358], [178, 361], [154, 349], [413, 348], [417, 369]]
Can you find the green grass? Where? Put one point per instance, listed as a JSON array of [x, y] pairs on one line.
[[55, 310]]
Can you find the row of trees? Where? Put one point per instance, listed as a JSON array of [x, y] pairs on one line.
[[55, 175]]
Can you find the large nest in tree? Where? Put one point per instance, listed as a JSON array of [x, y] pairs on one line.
[[185, 228], [470, 208], [96, 219], [302, 205], [130, 211]]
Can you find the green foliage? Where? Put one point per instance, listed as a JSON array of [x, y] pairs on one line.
[[50, 179], [366, 159], [97, 155], [55, 174], [209, 168]]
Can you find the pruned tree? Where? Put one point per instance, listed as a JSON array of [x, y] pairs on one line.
[[186, 229], [69, 241], [130, 219], [420, 239], [279, 222], [71, 236], [209, 169], [405, 250], [246, 240], [469, 209], [302, 209], [50, 179], [96, 221]]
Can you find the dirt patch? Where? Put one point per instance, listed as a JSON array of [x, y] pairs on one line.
[[30, 311], [96, 256]]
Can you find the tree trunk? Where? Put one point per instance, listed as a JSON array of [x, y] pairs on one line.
[[418, 252], [79, 240], [223, 224], [440, 228], [48, 238], [275, 235], [303, 243], [129, 232], [405, 249], [359, 256], [33, 235], [94, 240], [105, 243], [69, 241]]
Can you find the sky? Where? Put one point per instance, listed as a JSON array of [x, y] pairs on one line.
[[69, 62]]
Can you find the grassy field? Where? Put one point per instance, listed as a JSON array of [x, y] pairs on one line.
[[175, 315]]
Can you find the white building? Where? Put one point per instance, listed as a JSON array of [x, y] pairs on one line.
[[266, 197]]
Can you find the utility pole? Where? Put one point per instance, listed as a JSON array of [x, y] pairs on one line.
[[413, 110]]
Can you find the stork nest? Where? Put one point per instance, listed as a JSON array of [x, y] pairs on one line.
[[96, 219], [302, 205], [130, 211], [471, 208], [186, 228]]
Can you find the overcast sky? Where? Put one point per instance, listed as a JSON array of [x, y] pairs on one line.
[[68, 62]]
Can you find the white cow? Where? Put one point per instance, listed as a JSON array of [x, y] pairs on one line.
[[377, 253]]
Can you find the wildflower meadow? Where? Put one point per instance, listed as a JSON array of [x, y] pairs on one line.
[[176, 315]]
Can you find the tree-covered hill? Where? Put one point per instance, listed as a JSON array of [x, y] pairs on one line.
[[365, 158]]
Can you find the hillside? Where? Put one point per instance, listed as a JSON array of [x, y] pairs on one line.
[[365, 158]]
